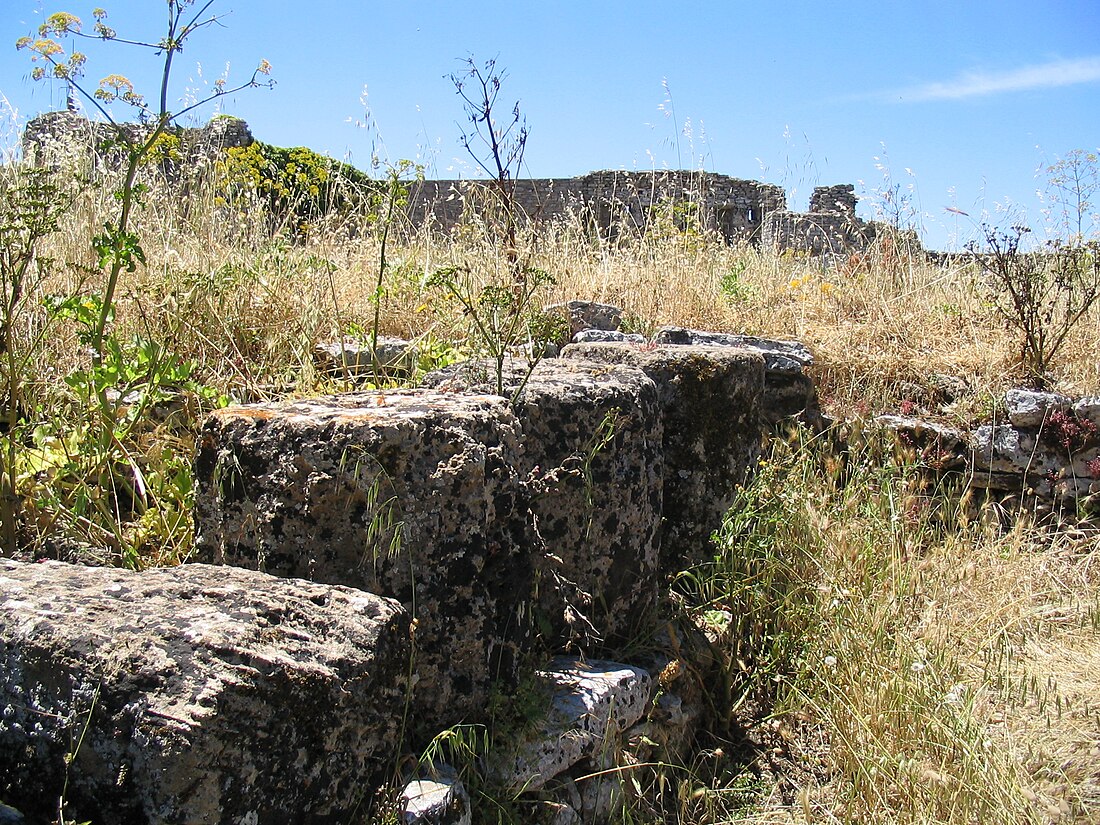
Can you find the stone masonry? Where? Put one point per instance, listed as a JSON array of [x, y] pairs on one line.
[[612, 203]]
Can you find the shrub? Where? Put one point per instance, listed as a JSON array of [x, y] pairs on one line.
[[298, 186], [1042, 293]]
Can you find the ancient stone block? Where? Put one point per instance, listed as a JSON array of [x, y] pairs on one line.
[[409, 494], [934, 445], [1027, 408], [395, 357], [711, 401], [194, 694], [1088, 408], [592, 460], [438, 798], [600, 336], [589, 315], [788, 388], [592, 702], [1005, 449]]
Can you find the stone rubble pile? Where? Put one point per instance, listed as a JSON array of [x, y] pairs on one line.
[[1045, 457]]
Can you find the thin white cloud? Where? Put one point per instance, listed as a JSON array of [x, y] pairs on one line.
[[979, 84]]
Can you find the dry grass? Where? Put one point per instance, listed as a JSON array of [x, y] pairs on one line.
[[952, 676]]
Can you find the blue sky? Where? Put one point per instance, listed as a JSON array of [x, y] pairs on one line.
[[960, 103]]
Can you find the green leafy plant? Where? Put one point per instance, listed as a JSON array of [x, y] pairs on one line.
[[117, 247], [732, 286], [297, 186], [501, 317], [94, 451], [31, 204]]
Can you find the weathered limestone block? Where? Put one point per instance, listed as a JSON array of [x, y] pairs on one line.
[[194, 694], [1027, 408], [589, 315], [1004, 449], [409, 494], [711, 400], [394, 357], [600, 336], [937, 446], [1088, 408], [592, 458], [439, 798], [788, 388], [592, 703]]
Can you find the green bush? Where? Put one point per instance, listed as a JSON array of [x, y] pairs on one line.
[[297, 186]]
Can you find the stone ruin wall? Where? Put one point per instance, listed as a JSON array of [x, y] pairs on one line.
[[829, 227], [68, 129], [611, 202], [214, 688], [617, 201]]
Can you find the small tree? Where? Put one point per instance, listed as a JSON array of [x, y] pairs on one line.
[[497, 149], [1040, 293]]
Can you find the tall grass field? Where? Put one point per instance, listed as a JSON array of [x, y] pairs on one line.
[[894, 650]]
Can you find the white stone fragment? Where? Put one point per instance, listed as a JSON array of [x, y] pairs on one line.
[[593, 702], [1027, 408]]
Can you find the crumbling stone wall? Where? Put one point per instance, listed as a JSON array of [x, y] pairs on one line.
[[616, 201], [61, 132], [830, 227], [1044, 459], [610, 202]]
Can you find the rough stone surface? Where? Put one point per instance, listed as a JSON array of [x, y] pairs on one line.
[[203, 694], [50, 136], [592, 703], [1006, 449], [592, 457], [782, 356], [711, 400], [1027, 408], [599, 336], [589, 315], [396, 357], [409, 494], [1088, 408], [788, 388], [546, 812], [936, 445], [612, 202], [817, 233], [1048, 458], [437, 799]]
